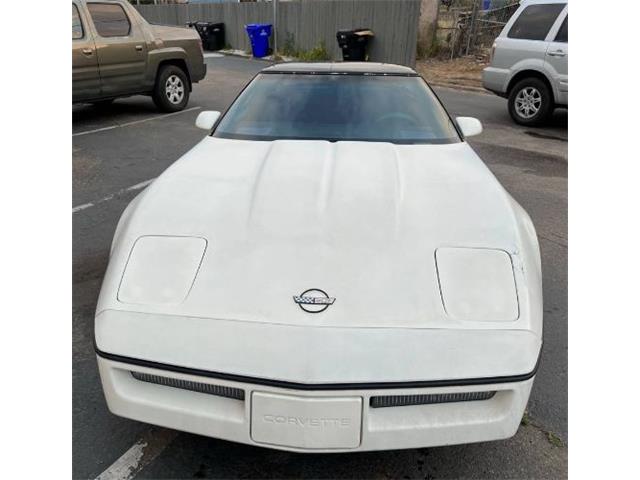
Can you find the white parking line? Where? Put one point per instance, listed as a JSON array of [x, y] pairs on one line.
[[137, 186], [141, 454], [127, 465], [135, 122], [213, 55]]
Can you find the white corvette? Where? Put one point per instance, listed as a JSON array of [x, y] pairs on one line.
[[331, 269]]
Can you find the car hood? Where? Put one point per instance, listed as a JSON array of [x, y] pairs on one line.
[[359, 220]]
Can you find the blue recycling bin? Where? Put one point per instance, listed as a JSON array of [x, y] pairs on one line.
[[486, 4], [259, 34]]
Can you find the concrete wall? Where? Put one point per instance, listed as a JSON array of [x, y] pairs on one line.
[[427, 25], [307, 23]]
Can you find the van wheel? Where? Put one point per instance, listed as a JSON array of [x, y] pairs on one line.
[[530, 102], [171, 92]]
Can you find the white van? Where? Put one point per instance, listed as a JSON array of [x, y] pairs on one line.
[[529, 61]]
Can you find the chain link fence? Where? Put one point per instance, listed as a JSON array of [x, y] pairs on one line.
[[469, 27]]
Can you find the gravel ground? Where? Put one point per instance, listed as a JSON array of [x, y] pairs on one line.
[[459, 72]]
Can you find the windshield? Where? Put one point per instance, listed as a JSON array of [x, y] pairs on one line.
[[378, 108]]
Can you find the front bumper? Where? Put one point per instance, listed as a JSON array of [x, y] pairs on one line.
[[496, 80], [310, 420], [317, 354], [198, 71]]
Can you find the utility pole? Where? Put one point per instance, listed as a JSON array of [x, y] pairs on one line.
[[275, 28], [471, 31]]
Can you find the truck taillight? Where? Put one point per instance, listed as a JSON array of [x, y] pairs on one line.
[[200, 44]]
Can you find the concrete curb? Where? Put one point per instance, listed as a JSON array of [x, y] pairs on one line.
[[269, 59], [242, 54], [456, 86], [234, 53]]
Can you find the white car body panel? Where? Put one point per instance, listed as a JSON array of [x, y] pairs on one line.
[[360, 220], [370, 224], [317, 355]]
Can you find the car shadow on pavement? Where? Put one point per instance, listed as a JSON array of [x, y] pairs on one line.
[[559, 119], [129, 109], [527, 455]]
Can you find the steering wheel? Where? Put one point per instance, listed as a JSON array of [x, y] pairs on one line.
[[396, 116]]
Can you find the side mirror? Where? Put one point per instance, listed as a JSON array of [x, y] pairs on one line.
[[468, 125], [207, 119]]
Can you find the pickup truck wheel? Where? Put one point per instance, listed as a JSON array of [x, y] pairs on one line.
[[530, 102], [171, 92]]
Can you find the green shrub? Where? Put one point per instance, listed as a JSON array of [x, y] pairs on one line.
[[434, 50], [317, 53], [289, 47]]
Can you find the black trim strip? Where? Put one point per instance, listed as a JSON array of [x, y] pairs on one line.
[[331, 72], [395, 141], [321, 386], [208, 388], [392, 401]]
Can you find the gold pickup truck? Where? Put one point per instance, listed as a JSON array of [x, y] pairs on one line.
[[117, 53]]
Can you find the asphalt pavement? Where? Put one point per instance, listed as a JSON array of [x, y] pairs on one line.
[[118, 150]]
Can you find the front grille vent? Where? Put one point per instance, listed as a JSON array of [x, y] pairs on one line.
[[404, 400], [218, 390]]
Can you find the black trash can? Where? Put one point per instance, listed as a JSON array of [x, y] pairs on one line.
[[215, 36], [354, 44], [199, 26], [212, 34]]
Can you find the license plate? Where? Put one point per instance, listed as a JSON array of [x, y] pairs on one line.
[[306, 422]]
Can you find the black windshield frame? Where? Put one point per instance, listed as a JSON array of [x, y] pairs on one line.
[[458, 138]]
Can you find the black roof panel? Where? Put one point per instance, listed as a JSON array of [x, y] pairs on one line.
[[340, 68]]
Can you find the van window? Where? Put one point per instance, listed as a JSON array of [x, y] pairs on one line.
[[76, 23], [535, 21], [109, 19], [563, 33]]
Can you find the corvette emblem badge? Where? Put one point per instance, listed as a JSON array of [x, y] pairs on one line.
[[314, 300]]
